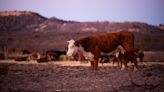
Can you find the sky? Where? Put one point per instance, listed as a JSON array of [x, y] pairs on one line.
[[148, 11]]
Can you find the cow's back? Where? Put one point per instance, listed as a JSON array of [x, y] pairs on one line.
[[107, 42], [87, 43]]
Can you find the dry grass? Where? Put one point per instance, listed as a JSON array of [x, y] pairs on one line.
[[38, 41], [156, 56], [42, 41]]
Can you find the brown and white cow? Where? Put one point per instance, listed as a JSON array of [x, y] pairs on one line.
[[105, 43]]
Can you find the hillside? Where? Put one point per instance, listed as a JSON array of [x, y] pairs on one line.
[[19, 21], [19, 29], [30, 21]]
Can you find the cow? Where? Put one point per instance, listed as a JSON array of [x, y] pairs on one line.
[[105, 42], [126, 57], [51, 56], [120, 56], [34, 56], [114, 56], [55, 54]]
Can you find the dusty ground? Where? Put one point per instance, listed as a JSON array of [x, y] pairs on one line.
[[75, 77]]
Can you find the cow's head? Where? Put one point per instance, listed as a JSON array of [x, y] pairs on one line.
[[72, 49]]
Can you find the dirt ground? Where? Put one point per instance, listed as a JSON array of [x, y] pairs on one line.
[[67, 76]]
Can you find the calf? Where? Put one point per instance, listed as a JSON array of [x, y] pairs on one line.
[[79, 56], [114, 56]]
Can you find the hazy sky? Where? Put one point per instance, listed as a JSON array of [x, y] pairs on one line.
[[149, 11]]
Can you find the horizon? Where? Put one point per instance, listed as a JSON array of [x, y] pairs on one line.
[[150, 12]]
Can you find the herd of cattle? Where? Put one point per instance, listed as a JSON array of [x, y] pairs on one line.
[[26, 55], [42, 57], [117, 47]]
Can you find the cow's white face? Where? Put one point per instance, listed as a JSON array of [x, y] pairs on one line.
[[72, 49]]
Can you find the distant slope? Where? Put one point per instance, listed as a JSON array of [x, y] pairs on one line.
[[19, 21], [110, 26], [52, 24], [30, 21]]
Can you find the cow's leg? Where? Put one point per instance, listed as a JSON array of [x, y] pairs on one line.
[[92, 65], [113, 62], [123, 67], [118, 62], [135, 63], [133, 59], [141, 60], [100, 60], [95, 64], [138, 59], [80, 57], [124, 64], [96, 57], [121, 63]]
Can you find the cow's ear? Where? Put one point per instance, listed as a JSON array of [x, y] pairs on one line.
[[67, 41]]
